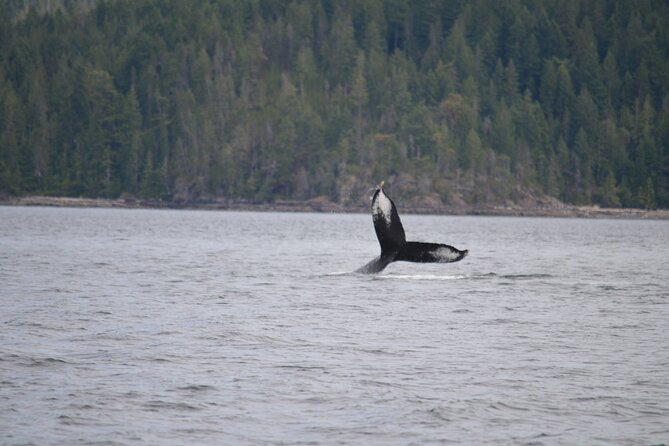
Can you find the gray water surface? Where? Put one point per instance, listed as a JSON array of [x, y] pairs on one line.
[[195, 327]]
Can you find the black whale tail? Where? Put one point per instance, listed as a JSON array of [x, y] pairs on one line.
[[429, 253], [394, 247]]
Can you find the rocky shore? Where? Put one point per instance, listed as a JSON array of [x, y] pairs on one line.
[[554, 209]]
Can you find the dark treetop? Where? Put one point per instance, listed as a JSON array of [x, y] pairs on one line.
[[478, 102]]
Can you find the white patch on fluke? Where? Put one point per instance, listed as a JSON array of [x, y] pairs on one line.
[[383, 207], [446, 254]]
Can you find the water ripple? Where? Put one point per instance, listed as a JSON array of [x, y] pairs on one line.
[[164, 327]]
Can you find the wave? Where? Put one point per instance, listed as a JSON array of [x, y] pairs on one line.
[[420, 277], [439, 277], [530, 276], [338, 273], [526, 276]]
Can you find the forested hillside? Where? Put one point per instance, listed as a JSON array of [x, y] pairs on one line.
[[459, 101]]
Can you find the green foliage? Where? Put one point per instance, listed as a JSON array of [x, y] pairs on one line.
[[264, 100]]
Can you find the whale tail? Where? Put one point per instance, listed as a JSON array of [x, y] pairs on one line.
[[387, 223], [429, 253], [394, 247]]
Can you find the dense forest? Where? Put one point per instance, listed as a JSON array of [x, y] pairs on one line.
[[460, 101]]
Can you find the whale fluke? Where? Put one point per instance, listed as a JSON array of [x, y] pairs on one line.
[[394, 247], [387, 224]]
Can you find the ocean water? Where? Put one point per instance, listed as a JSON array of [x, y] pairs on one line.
[[145, 327]]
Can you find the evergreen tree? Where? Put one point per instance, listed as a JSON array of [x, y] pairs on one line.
[[295, 99]]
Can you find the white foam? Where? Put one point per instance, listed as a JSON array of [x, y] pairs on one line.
[[340, 273], [420, 277]]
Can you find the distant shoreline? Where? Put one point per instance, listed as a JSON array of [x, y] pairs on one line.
[[565, 211]]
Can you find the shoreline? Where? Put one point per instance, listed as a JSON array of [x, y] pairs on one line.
[[320, 206]]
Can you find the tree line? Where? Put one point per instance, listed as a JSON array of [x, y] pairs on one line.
[[477, 102]]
